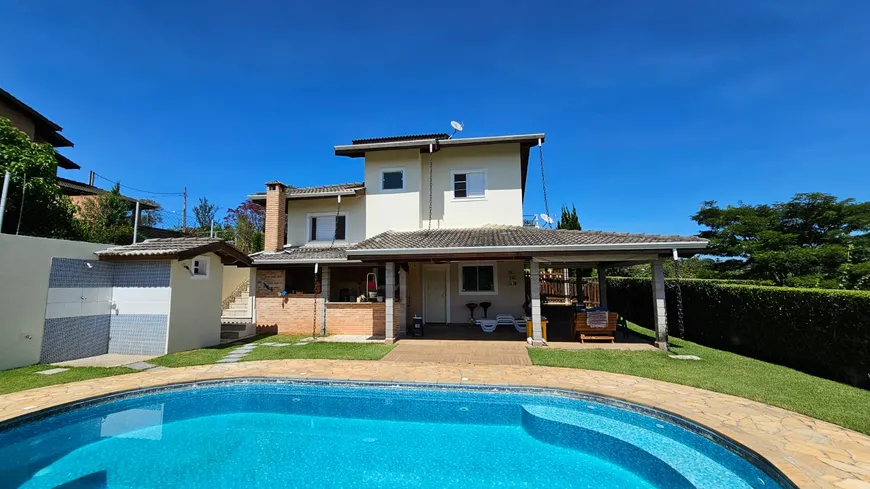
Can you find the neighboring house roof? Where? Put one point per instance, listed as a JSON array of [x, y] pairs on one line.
[[176, 249], [47, 129], [301, 255], [355, 188], [517, 240], [361, 146], [72, 187], [64, 162]]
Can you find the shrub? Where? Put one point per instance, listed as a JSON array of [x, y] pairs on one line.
[[819, 331]]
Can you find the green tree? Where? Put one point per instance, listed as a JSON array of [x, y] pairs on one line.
[[569, 219], [33, 167], [204, 213], [813, 240], [107, 218], [245, 226]]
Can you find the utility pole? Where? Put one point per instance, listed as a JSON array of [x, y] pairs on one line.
[[136, 223], [6, 180], [184, 212]]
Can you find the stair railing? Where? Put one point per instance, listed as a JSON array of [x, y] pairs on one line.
[[235, 294]]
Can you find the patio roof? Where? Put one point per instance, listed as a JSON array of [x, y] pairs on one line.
[[72, 187], [523, 242], [301, 255], [176, 249]]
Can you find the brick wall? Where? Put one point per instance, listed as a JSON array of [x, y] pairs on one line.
[[356, 318], [288, 314]]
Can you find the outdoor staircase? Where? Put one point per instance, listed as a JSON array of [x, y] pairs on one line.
[[236, 315]]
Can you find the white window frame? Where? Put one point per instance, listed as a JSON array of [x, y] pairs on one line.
[[193, 267], [392, 170], [492, 264], [326, 214], [453, 174]]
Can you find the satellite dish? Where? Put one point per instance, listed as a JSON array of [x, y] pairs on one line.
[[547, 219], [457, 126]]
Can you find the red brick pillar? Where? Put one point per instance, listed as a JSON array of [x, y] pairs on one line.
[[276, 215]]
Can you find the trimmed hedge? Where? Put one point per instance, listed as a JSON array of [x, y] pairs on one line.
[[821, 332]]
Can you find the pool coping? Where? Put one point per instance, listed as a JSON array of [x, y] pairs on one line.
[[733, 446], [809, 452]]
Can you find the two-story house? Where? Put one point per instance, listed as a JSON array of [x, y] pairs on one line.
[[436, 225]]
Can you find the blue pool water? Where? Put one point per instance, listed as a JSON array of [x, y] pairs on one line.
[[267, 434]]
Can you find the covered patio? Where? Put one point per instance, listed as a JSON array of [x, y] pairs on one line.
[[440, 269]]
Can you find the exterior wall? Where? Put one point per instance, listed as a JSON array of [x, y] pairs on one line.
[[508, 300], [298, 210], [503, 202], [19, 120], [79, 201], [140, 307], [392, 210], [232, 278], [289, 314], [195, 312], [25, 267]]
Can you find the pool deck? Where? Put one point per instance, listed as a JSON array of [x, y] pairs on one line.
[[812, 453]]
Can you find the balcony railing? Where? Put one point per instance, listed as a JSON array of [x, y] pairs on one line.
[[530, 221]]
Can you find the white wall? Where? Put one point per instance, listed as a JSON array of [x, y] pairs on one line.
[[195, 309], [508, 300], [503, 202], [392, 210], [25, 266], [299, 209], [232, 278]]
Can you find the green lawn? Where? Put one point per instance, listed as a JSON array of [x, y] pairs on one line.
[[333, 351], [727, 373], [20, 379]]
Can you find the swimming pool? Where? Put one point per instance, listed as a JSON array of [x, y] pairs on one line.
[[274, 433]]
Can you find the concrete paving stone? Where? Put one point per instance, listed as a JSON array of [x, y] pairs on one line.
[[52, 371], [140, 365]]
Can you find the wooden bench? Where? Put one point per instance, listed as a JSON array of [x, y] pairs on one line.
[[584, 332]]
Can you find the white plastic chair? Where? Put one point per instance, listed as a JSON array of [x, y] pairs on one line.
[[487, 325]]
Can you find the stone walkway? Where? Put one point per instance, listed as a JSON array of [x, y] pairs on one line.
[[458, 351], [812, 453]]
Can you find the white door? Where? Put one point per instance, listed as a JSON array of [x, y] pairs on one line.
[[435, 294]]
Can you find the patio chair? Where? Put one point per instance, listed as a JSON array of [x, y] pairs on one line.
[[507, 319], [487, 325]]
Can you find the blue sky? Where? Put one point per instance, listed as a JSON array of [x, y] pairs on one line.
[[650, 108]]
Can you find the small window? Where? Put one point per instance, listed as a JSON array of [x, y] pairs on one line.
[[323, 227], [199, 267], [469, 185], [478, 278], [392, 179]]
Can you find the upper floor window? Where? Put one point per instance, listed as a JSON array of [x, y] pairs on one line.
[[469, 184], [393, 179], [322, 227]]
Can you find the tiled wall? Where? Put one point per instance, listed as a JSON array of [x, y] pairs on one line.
[[77, 309], [96, 307], [140, 296]]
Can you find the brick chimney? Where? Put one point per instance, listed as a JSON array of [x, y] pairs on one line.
[[276, 215]]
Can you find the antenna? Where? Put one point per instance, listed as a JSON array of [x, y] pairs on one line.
[[547, 219], [457, 127]]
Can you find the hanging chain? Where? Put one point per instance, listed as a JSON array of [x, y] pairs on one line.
[[314, 318], [679, 300], [544, 183], [335, 231], [430, 189]]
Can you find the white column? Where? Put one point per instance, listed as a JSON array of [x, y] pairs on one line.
[[659, 305], [535, 287], [390, 295], [602, 285], [324, 296], [403, 302]]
